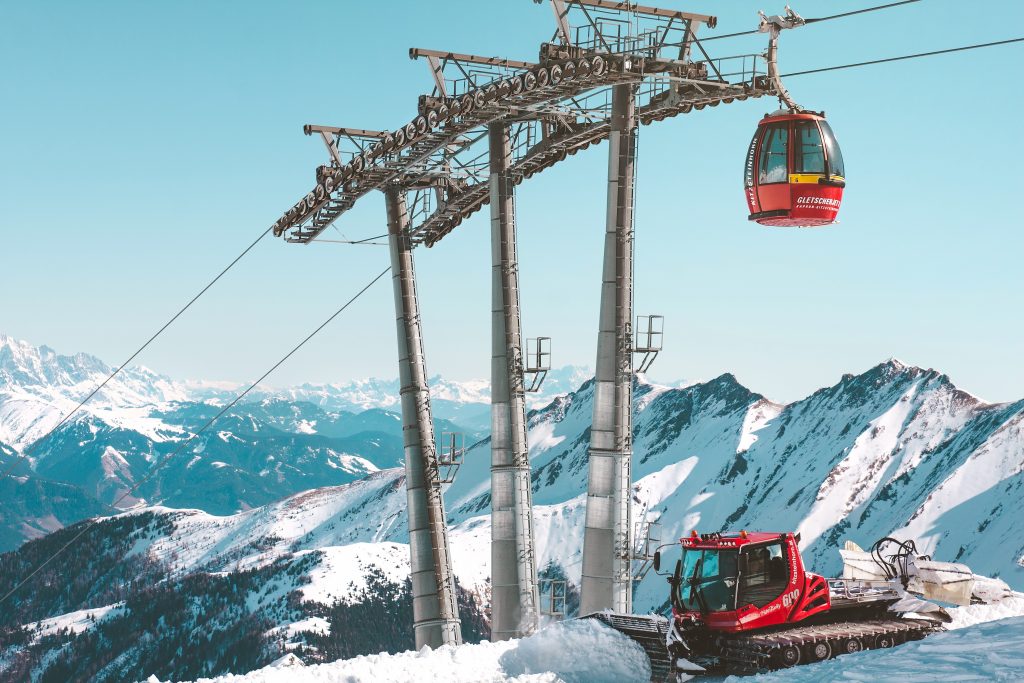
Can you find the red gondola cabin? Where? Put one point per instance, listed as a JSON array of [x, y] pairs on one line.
[[794, 174]]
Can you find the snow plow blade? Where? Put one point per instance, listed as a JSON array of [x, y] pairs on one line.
[[927, 610], [919, 574], [649, 631], [945, 581]]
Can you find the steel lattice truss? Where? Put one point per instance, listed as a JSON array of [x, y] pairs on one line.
[[555, 107]]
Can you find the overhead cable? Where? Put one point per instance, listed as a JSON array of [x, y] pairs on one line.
[[813, 21], [365, 241], [860, 11], [896, 59]]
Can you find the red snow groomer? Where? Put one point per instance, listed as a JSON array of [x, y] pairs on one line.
[[743, 603]]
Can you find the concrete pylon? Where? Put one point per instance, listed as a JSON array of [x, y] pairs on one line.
[[514, 598], [608, 536], [434, 608]]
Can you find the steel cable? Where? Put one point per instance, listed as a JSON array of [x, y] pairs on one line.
[[861, 11], [366, 241], [181, 447], [896, 59]]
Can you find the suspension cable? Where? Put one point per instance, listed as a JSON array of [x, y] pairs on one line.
[[730, 35], [366, 240], [365, 244], [860, 11], [896, 59], [813, 21], [31, 448], [167, 458]]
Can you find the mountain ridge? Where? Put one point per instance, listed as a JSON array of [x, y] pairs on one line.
[[896, 449]]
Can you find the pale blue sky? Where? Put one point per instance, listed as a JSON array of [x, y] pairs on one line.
[[143, 145]]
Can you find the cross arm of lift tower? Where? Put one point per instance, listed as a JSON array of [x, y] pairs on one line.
[[555, 107]]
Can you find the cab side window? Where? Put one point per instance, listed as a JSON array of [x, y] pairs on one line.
[[835, 155], [772, 166], [766, 575]]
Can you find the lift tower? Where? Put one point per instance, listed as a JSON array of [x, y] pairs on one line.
[[434, 609], [514, 598], [607, 538], [489, 124]]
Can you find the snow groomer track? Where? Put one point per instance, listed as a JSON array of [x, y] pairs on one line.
[[751, 653]]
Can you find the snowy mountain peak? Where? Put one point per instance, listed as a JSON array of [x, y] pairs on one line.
[[38, 386], [894, 369], [896, 363], [895, 376], [25, 365], [725, 382], [22, 363]]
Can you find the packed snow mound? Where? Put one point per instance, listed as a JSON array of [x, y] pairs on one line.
[[977, 614], [992, 651], [572, 652]]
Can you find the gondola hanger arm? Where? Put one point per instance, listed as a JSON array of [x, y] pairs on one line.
[[773, 26]]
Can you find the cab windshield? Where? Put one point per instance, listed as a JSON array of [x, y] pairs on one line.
[[707, 580]]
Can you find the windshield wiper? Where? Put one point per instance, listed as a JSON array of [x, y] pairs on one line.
[[695, 580]]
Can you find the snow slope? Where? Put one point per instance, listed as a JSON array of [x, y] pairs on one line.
[[896, 448], [76, 622], [325, 519]]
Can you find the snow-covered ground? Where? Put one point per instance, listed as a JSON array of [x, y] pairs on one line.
[[572, 652], [985, 643], [992, 651]]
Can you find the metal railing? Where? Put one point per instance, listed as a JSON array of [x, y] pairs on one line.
[[538, 362]]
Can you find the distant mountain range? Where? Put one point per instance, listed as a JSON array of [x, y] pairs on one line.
[[896, 449], [277, 443]]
